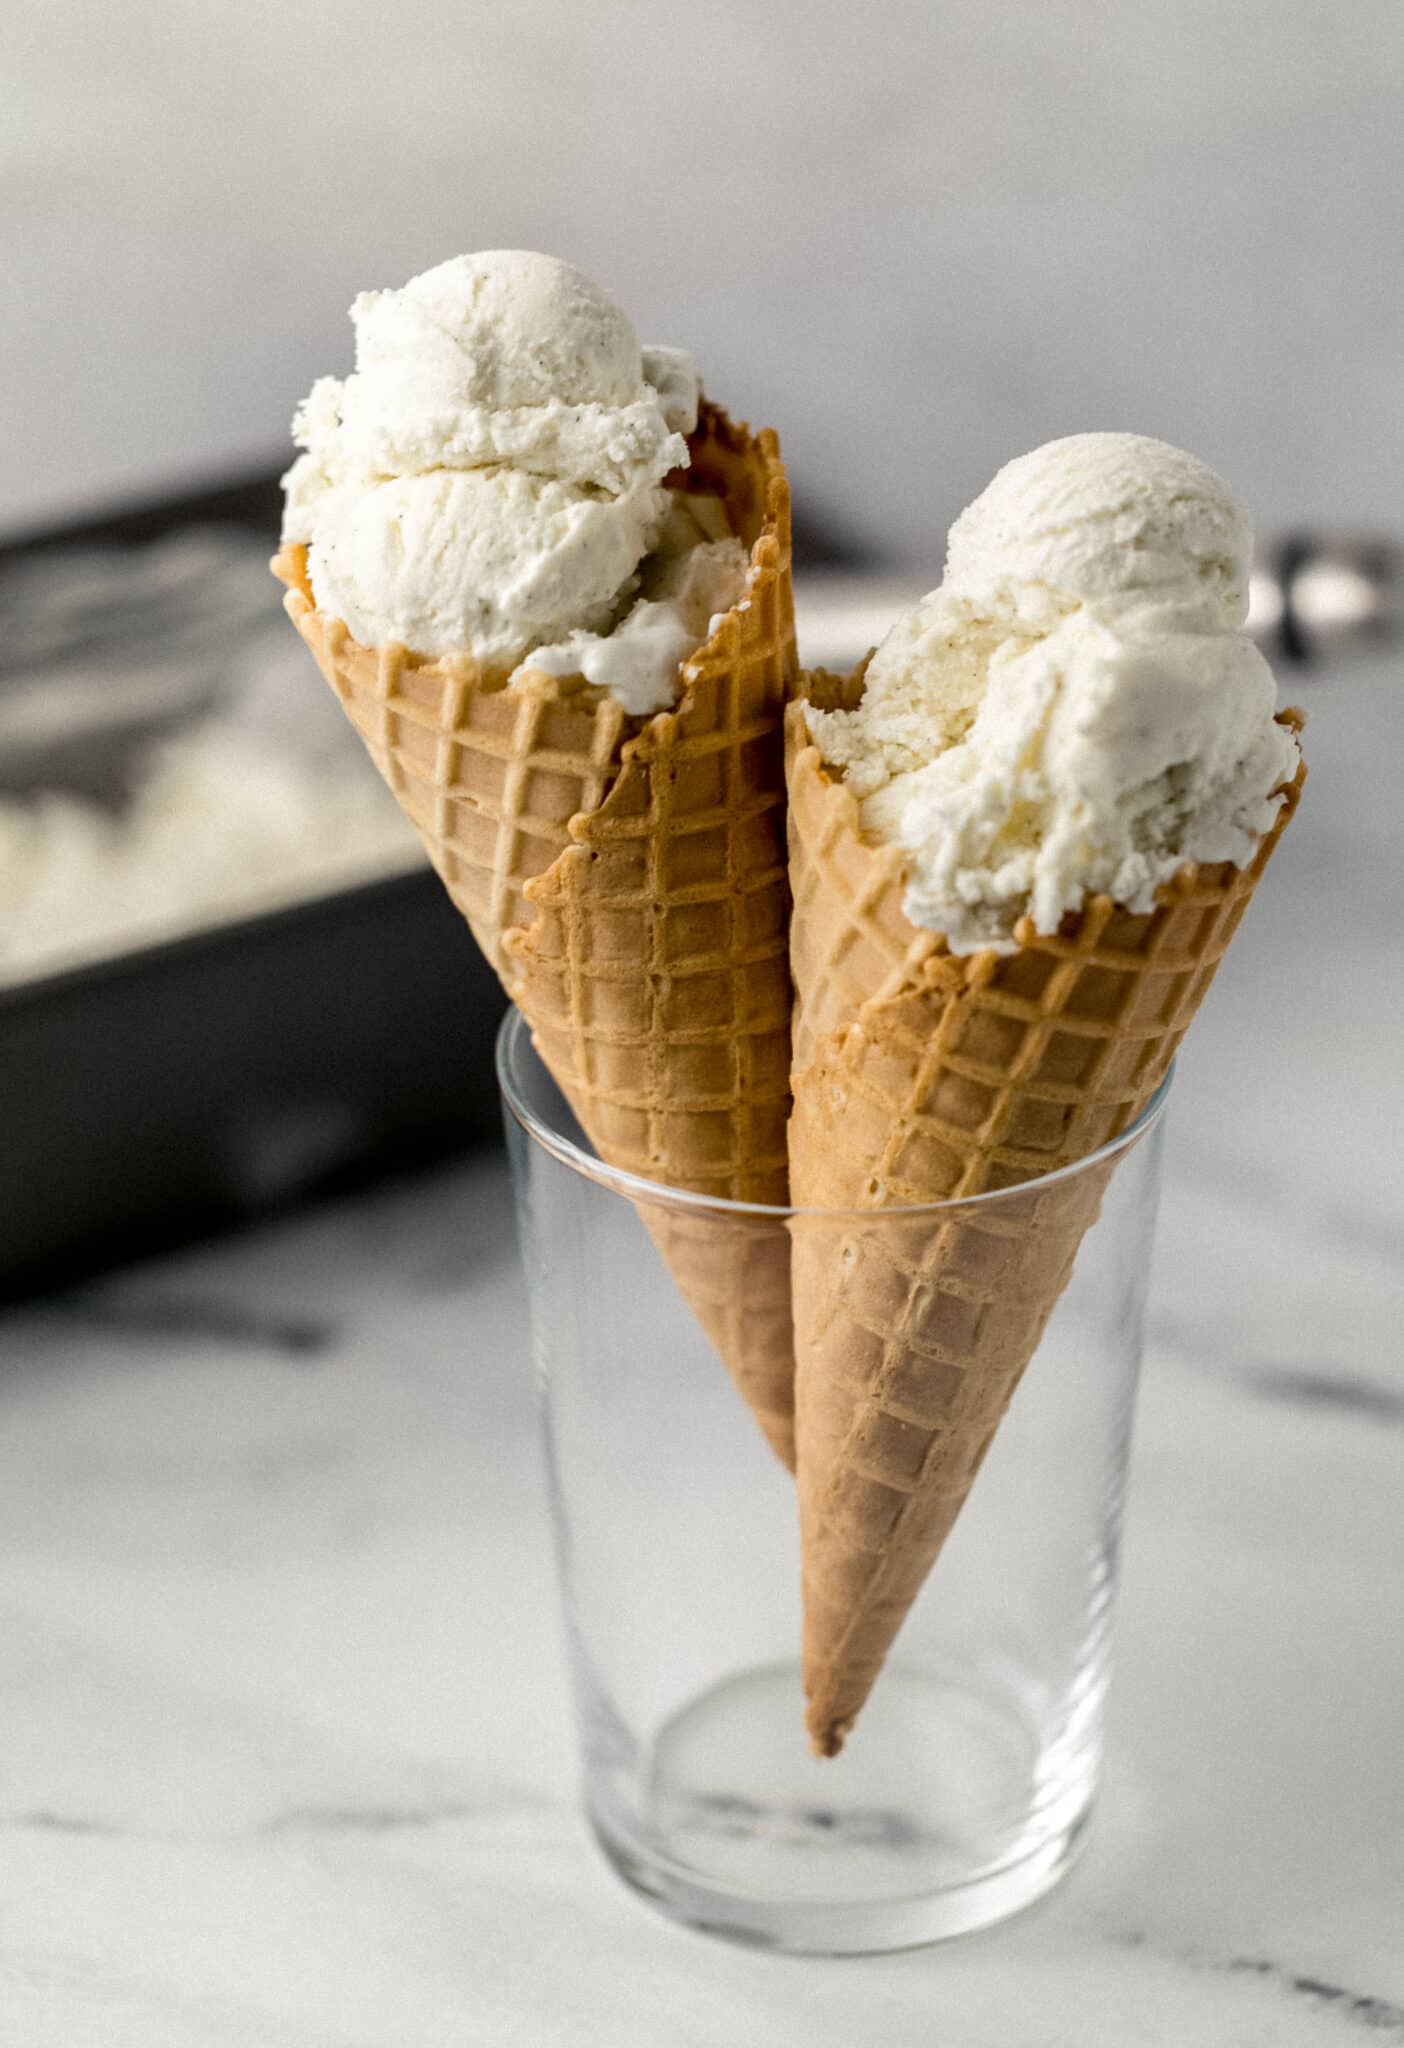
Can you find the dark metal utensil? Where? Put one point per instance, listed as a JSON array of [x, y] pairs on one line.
[[1326, 598]]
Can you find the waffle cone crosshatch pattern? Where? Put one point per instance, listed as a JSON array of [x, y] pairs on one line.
[[627, 880], [919, 1077]]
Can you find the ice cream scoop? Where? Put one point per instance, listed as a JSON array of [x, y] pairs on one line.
[[490, 478], [1077, 709], [696, 571]]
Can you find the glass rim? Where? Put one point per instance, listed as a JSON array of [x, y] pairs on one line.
[[514, 1031]]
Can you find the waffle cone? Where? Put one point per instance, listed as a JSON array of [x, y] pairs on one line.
[[921, 1076], [626, 879]]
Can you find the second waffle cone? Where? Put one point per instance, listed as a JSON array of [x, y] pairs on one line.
[[922, 1077]]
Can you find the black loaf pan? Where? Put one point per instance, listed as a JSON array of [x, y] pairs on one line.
[[167, 1093], [164, 1093]]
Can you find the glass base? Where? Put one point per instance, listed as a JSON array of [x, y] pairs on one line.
[[930, 1824]]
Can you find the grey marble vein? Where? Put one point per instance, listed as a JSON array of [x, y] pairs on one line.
[[1373, 2015], [172, 1319], [1303, 1388]]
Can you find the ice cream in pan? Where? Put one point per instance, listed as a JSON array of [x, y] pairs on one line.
[[551, 585], [1021, 838]]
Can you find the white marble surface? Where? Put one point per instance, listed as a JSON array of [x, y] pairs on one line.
[[284, 1751]]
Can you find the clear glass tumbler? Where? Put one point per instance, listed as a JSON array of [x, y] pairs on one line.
[[965, 1789]]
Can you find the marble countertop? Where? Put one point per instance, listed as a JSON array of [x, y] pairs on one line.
[[285, 1759]]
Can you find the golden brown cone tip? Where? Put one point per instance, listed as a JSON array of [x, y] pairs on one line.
[[922, 1076], [626, 878]]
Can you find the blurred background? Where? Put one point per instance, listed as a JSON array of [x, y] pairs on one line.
[[918, 240]]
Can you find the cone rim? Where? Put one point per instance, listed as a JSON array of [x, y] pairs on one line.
[[514, 1032]]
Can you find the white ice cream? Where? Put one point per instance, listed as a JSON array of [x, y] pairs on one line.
[[1077, 708], [490, 478], [696, 571]]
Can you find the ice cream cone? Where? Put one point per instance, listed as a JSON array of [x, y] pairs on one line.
[[626, 878], [922, 1076]]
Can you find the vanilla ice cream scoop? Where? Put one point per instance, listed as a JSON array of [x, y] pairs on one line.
[[490, 477], [1077, 708], [1099, 518]]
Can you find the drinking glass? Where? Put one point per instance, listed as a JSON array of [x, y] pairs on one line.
[[965, 1789]]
